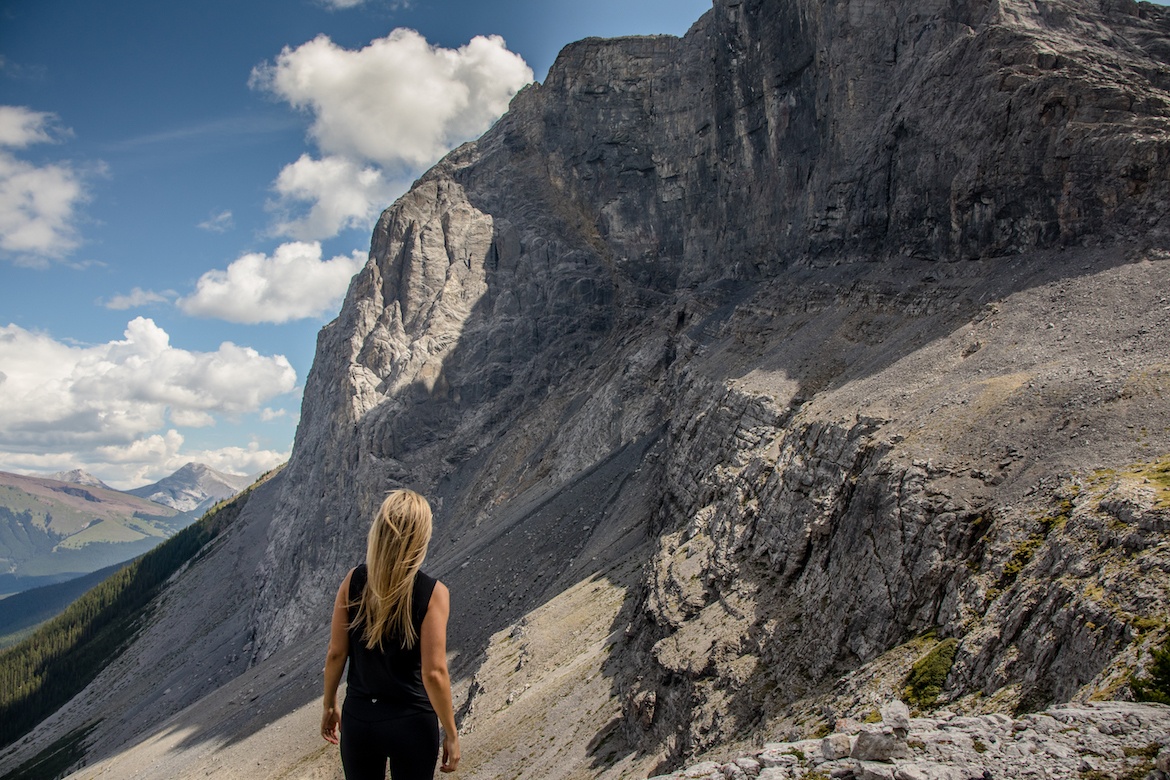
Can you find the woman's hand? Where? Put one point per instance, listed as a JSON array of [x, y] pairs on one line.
[[450, 753], [330, 720]]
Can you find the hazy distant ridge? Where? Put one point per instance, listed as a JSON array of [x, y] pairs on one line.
[[193, 488], [55, 528]]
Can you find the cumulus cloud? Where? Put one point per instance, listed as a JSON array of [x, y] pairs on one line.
[[137, 297], [237, 460], [339, 192], [379, 115], [399, 100], [37, 203], [293, 283], [58, 397], [21, 127]]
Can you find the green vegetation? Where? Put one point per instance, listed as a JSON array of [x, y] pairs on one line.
[[1153, 474], [44, 671], [821, 731], [22, 612], [1158, 473], [1147, 751], [1155, 686], [1026, 549], [929, 673]]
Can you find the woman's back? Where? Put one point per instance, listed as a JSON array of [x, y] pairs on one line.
[[389, 677]]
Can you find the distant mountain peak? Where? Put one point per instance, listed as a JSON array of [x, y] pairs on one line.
[[195, 487], [79, 477]]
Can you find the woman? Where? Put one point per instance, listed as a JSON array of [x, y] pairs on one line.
[[390, 621]]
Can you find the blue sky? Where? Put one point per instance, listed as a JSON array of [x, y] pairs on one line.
[[186, 188]]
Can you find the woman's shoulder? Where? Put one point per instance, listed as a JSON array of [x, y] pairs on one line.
[[357, 580]]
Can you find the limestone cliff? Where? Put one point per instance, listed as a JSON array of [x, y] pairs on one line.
[[743, 366]]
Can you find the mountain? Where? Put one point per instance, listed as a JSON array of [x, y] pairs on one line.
[[79, 477], [748, 372], [194, 488], [52, 531]]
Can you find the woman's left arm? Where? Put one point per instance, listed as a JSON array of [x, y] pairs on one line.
[[335, 662]]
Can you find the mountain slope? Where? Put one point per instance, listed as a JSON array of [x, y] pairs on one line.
[[51, 531], [21, 612], [735, 365]]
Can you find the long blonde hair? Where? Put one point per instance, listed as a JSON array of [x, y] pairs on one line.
[[395, 550]]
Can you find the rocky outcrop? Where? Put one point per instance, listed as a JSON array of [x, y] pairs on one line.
[[1103, 740]]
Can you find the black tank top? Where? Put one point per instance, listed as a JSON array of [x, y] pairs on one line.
[[387, 682]]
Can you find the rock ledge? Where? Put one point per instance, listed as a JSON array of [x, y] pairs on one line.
[[1092, 740]]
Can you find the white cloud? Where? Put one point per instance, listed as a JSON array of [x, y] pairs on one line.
[[138, 297], [380, 115], [218, 223], [268, 415], [191, 418], [154, 449], [237, 460], [37, 203], [400, 100], [21, 127], [36, 209], [61, 398], [341, 5], [293, 283], [342, 194]]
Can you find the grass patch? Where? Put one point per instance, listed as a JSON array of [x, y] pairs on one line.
[[1149, 751], [929, 673]]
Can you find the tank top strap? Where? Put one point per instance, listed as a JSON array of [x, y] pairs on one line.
[[420, 598]]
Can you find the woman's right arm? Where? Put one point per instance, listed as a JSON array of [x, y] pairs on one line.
[[335, 658], [436, 679]]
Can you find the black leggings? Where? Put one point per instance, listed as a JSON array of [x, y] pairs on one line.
[[411, 742]]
